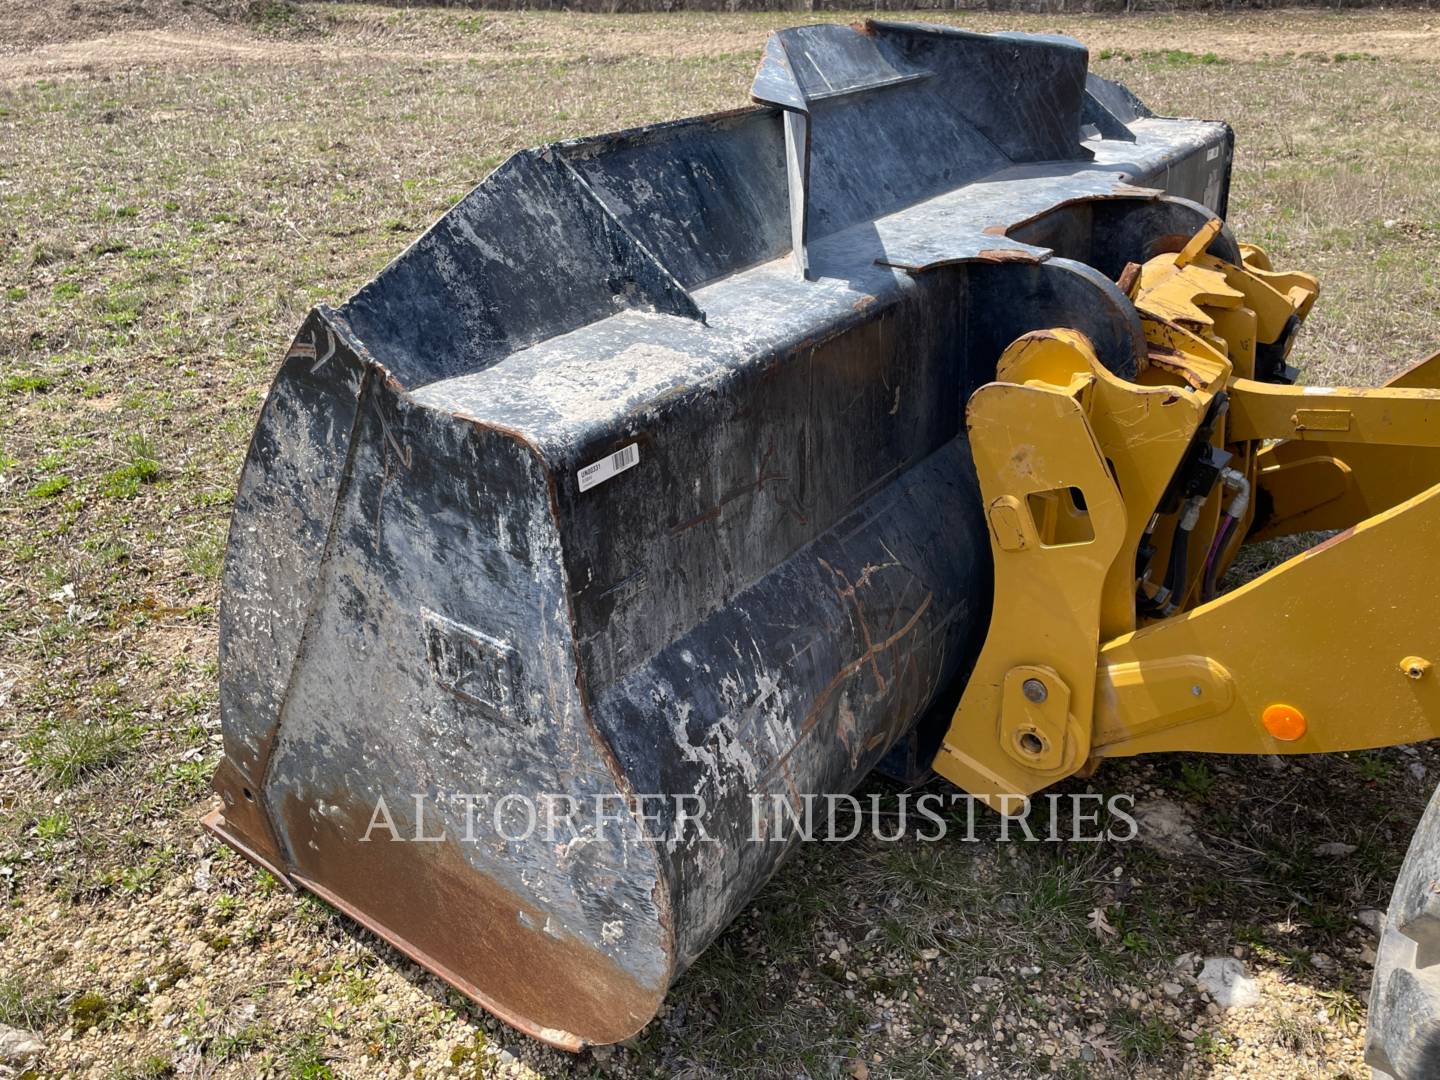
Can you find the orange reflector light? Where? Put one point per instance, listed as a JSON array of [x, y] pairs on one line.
[[1284, 722]]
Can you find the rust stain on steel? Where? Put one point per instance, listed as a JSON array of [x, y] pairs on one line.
[[859, 662], [1166, 360], [998, 255], [848, 593], [809, 724], [754, 488], [1128, 277], [1129, 191], [242, 822], [459, 924], [1339, 538]]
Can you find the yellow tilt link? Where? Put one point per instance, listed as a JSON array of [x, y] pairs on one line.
[[1119, 509]]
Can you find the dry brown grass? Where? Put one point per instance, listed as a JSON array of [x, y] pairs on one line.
[[172, 200]]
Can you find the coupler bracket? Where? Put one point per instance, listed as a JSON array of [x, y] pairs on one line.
[[1090, 481]]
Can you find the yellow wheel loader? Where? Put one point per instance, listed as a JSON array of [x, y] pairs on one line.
[[910, 418]]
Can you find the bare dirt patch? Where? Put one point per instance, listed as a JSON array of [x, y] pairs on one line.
[[33, 23], [132, 49]]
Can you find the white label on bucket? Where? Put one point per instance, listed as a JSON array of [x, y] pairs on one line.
[[1212, 153], [605, 468]]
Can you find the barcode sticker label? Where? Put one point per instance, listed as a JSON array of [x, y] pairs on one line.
[[607, 467], [1212, 153]]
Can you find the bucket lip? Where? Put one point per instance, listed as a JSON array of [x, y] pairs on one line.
[[216, 823], [561, 1040]]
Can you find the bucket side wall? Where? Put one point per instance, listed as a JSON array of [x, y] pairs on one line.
[[427, 671]]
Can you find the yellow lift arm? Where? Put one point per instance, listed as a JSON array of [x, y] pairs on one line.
[[1115, 507]]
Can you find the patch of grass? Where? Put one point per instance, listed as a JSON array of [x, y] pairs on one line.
[[273, 14], [1180, 58], [49, 487], [1213, 1047], [154, 1067], [316, 912], [1303, 1034], [1373, 767], [121, 306], [266, 883], [1344, 1003], [26, 384], [358, 988], [141, 877], [1144, 1040], [1195, 779], [141, 468], [225, 907], [205, 557], [64, 751], [395, 1038], [235, 1045], [52, 827], [1167, 58], [29, 1005], [305, 1059]]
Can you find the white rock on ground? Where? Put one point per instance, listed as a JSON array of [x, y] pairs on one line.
[[1224, 978], [1372, 919], [1166, 827], [18, 1047]]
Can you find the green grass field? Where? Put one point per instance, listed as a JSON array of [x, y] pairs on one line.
[[174, 198]]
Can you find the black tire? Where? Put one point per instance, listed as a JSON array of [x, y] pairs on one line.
[[1403, 1042]]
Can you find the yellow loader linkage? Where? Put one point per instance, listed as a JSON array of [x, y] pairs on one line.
[[1115, 508]]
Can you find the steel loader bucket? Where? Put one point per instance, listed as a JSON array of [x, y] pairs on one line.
[[640, 482]]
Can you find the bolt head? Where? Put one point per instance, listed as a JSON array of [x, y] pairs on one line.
[[1034, 691]]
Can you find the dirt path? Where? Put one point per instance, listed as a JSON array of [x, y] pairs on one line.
[[429, 37], [141, 48]]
